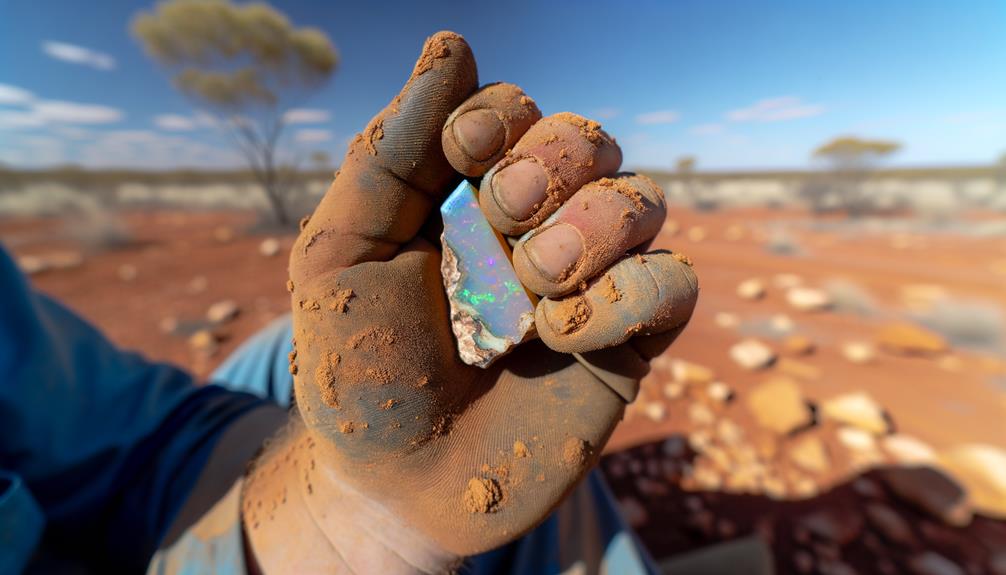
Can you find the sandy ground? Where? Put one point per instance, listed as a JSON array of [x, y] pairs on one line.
[[183, 263]]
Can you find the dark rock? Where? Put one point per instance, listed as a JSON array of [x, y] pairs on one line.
[[931, 491], [932, 563], [889, 524]]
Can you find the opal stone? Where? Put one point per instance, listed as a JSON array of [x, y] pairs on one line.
[[490, 310]]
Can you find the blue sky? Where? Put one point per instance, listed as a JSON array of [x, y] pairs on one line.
[[737, 84]]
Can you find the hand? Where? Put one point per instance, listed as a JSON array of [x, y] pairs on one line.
[[466, 459]]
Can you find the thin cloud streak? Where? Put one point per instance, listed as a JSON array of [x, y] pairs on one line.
[[74, 54]]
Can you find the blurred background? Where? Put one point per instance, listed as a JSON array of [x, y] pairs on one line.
[[836, 172]]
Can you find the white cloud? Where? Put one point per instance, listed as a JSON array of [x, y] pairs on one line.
[[606, 113], [13, 119], [174, 122], [658, 117], [775, 110], [61, 112], [306, 116], [14, 95], [78, 55], [707, 129], [312, 136]]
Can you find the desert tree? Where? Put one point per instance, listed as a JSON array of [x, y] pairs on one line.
[[684, 167], [850, 160], [247, 65]]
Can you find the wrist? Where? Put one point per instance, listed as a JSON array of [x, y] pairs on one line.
[[300, 516]]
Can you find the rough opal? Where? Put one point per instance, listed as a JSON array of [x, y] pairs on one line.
[[490, 310]]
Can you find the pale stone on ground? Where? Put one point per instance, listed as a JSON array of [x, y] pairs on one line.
[[223, 311], [700, 414], [752, 354], [655, 411], [809, 453], [982, 470], [696, 233], [857, 409], [908, 450], [751, 289], [808, 299], [718, 391], [777, 404], [910, 339], [798, 345], [726, 320], [856, 439], [858, 352], [674, 390], [269, 247], [787, 281], [690, 373]]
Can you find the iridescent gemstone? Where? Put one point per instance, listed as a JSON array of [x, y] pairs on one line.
[[490, 310]]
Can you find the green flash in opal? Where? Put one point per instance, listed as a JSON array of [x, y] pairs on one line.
[[490, 310]]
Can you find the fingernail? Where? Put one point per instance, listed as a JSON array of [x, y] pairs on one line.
[[479, 133], [519, 188], [555, 251]]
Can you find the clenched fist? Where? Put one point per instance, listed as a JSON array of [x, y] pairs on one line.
[[403, 444]]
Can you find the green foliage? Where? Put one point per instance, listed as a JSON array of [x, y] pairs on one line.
[[234, 56], [850, 148]]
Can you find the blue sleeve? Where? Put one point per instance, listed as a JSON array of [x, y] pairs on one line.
[[108, 443]]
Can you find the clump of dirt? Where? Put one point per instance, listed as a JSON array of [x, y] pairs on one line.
[[623, 187], [373, 134], [571, 313], [324, 378], [520, 449], [292, 360], [386, 405], [373, 337], [589, 129], [610, 290], [289, 286], [310, 305], [482, 495], [526, 100], [346, 427], [436, 47], [342, 298], [683, 259], [575, 452]]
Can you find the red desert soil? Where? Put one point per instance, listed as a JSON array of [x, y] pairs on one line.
[[943, 401]]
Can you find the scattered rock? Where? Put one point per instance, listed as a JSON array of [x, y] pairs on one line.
[[32, 265], [910, 339], [729, 433], [858, 352], [726, 320], [808, 299], [838, 525], [655, 410], [982, 470], [751, 289], [777, 404], [857, 440], [719, 392], [223, 311], [836, 567], [482, 495], [781, 323], [633, 511], [700, 414], [734, 233], [809, 454], [690, 373], [866, 488], [889, 524], [908, 450], [674, 446], [752, 354], [798, 345], [929, 490], [520, 449], [932, 563], [204, 342], [127, 272], [674, 390], [269, 247], [857, 409]]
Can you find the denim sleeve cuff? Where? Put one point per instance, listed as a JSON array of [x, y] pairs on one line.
[[21, 523]]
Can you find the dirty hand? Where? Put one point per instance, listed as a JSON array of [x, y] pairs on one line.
[[467, 458]]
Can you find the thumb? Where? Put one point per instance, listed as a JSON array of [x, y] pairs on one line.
[[394, 173]]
